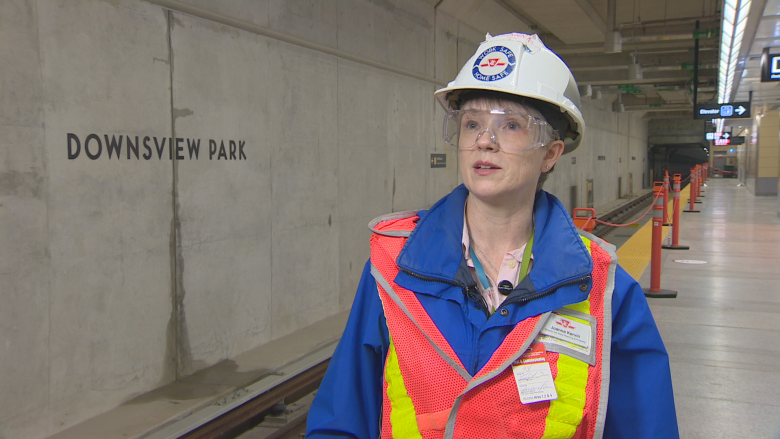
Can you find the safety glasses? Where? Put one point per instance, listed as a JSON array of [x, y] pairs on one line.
[[509, 131]]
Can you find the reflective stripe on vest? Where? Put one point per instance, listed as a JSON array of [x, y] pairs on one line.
[[429, 394], [566, 412], [402, 415]]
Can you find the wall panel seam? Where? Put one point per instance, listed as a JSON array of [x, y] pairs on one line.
[[177, 6]]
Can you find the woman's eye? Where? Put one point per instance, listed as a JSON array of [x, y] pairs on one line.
[[513, 125], [471, 125]]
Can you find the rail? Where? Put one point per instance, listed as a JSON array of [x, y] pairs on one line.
[[621, 214], [265, 403]]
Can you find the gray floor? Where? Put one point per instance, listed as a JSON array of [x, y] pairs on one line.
[[723, 330]]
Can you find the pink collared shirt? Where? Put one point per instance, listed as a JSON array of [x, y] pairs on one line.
[[509, 270]]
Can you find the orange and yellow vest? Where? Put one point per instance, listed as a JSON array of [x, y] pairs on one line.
[[429, 394]]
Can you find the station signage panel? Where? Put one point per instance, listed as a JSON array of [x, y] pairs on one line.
[[717, 136], [732, 110], [770, 66], [736, 140]]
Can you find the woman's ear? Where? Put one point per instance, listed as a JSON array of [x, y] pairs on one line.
[[553, 153]]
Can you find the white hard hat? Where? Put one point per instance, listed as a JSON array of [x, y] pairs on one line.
[[520, 64]]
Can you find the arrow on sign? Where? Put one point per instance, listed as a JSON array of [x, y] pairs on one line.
[[740, 110], [726, 136]]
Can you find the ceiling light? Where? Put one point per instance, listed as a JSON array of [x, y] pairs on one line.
[[735, 13]]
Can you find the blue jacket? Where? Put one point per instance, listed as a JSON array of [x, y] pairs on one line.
[[349, 401]]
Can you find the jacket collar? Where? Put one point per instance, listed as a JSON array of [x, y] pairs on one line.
[[434, 249]]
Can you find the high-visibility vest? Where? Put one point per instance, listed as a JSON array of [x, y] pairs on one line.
[[428, 393]]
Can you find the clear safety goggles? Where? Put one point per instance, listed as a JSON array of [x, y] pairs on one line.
[[510, 131]]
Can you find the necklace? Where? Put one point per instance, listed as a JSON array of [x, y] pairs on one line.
[[474, 243], [481, 271]]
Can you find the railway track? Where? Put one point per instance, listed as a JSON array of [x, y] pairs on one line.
[[622, 214], [274, 407], [279, 413]]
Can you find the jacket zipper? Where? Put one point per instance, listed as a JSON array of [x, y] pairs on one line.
[[469, 291], [525, 300]]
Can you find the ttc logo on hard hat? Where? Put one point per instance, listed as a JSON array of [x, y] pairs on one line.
[[494, 63]]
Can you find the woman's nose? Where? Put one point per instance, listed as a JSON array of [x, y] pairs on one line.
[[487, 140]]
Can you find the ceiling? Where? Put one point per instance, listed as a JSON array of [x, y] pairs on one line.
[[653, 71]]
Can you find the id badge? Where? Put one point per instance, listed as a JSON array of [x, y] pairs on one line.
[[533, 376], [569, 329]]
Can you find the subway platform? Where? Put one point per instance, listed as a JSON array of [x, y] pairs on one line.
[[722, 331]]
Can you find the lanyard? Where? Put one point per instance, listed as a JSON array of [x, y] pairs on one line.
[[523, 265]]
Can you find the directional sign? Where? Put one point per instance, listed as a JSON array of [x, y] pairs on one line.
[[736, 140], [717, 136], [770, 66], [733, 110]]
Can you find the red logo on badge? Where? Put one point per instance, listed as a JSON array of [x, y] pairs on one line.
[[492, 62], [565, 323]]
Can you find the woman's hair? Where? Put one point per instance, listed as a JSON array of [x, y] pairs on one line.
[[497, 100]]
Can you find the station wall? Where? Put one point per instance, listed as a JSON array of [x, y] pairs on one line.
[[176, 190], [614, 147]]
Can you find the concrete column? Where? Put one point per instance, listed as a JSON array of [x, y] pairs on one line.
[[763, 156]]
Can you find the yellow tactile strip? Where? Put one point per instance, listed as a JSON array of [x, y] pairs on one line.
[[634, 254]]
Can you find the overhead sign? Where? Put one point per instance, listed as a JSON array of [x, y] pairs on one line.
[[733, 110], [717, 136], [770, 66], [736, 140]]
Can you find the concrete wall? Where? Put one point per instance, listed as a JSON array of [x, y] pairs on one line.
[[124, 271], [678, 131], [615, 145], [676, 145]]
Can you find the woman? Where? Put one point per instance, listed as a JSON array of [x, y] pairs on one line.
[[489, 315]]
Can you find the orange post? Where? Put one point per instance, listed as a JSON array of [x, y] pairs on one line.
[[676, 216], [692, 193], [584, 218], [700, 180], [655, 253], [666, 197], [697, 169]]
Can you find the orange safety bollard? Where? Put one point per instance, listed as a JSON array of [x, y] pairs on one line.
[[666, 197], [700, 179], [696, 200], [692, 193], [655, 253], [676, 216], [584, 218], [658, 184]]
